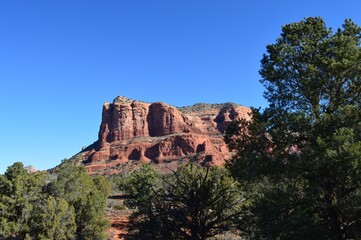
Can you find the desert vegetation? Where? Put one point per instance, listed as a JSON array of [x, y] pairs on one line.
[[186, 204], [206, 107], [295, 172], [300, 158], [65, 204]]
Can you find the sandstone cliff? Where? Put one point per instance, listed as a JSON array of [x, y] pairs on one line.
[[134, 131]]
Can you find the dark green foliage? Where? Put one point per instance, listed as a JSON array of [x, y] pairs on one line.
[[75, 186], [90, 220], [200, 202], [71, 183], [193, 203], [67, 205], [103, 185], [303, 153], [144, 189], [18, 193], [119, 181], [52, 219]]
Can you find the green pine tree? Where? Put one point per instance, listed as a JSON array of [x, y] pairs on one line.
[[52, 219], [19, 190], [302, 154], [191, 203], [73, 184]]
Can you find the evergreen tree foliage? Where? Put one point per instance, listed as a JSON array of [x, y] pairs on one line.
[[200, 203], [144, 188], [18, 193], [52, 219], [103, 185], [75, 186], [192, 203], [68, 205], [301, 156]]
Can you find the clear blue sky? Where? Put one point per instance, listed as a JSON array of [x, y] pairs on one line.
[[61, 59]]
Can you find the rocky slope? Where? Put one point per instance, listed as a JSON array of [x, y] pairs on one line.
[[133, 131]]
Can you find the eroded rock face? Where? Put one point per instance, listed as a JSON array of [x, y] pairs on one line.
[[164, 120], [159, 133]]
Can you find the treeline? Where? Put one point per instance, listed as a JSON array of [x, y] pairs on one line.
[[67, 204]]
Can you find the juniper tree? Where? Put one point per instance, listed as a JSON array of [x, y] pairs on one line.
[[191, 203], [303, 152]]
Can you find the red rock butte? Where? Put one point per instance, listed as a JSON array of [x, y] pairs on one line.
[[135, 131]]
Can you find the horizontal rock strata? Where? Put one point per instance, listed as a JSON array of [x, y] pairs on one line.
[[157, 132]]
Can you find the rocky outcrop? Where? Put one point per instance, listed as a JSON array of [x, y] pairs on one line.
[[134, 131], [30, 169]]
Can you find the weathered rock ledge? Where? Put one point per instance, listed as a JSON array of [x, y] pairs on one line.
[[135, 131]]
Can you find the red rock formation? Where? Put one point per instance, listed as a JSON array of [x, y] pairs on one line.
[[164, 120], [160, 133]]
